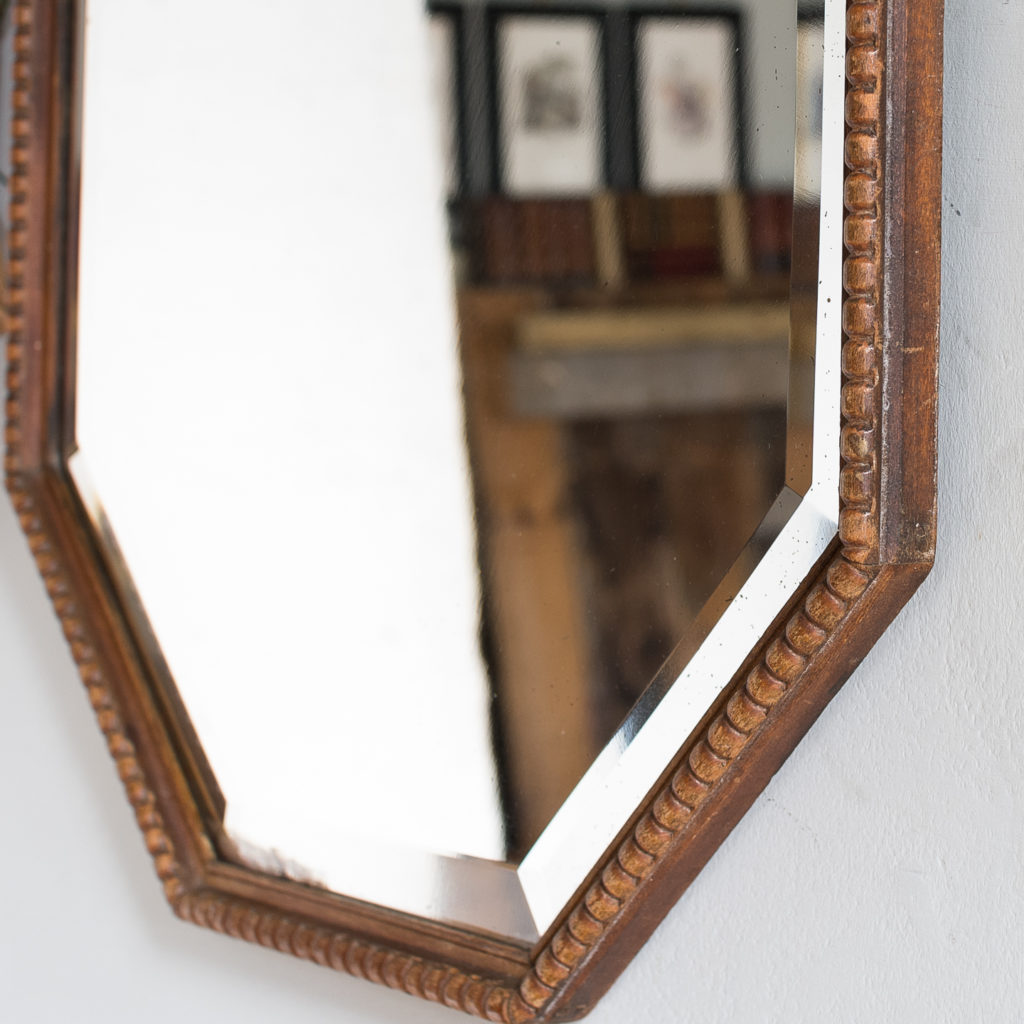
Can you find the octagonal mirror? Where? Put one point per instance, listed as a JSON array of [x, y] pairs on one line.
[[467, 444]]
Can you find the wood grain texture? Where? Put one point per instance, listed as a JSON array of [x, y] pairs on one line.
[[530, 553], [884, 548]]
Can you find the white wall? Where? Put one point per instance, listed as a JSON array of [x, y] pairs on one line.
[[881, 876]]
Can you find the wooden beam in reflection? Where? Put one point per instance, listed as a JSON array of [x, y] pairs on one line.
[[570, 364], [724, 323], [734, 236], [532, 565], [578, 385], [609, 258]]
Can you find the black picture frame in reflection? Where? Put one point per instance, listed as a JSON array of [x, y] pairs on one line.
[[687, 81], [548, 100]]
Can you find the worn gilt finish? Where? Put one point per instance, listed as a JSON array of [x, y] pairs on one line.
[[884, 548]]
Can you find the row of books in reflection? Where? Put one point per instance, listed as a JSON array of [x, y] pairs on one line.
[[656, 238]]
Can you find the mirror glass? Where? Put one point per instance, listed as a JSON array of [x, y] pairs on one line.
[[456, 404]]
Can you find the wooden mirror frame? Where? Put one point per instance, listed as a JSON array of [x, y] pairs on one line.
[[884, 548]]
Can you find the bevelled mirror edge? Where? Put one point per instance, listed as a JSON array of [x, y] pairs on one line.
[[885, 548]]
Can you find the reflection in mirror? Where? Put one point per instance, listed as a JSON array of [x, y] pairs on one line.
[[452, 406]]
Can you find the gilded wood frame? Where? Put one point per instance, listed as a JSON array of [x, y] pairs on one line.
[[884, 548]]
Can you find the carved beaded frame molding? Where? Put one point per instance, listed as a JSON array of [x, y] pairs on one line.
[[884, 549]]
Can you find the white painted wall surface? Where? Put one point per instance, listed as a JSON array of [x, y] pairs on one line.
[[880, 877]]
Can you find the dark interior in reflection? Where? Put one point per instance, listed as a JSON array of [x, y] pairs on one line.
[[624, 351]]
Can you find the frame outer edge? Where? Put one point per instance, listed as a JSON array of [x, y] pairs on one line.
[[913, 181]]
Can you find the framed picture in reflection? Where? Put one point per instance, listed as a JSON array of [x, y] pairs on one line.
[[549, 103], [444, 39], [688, 113]]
